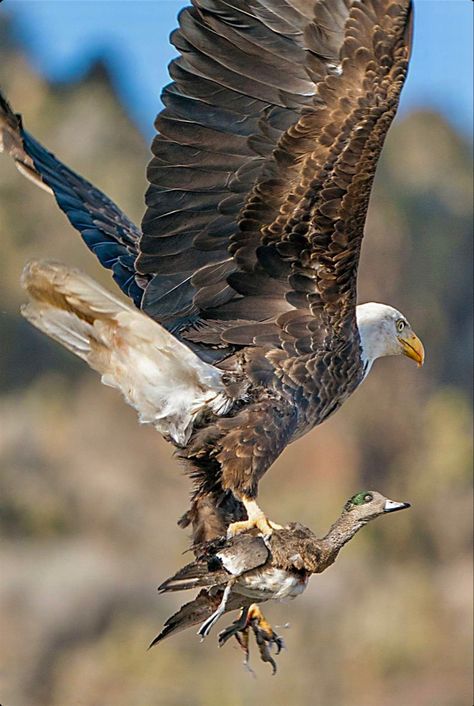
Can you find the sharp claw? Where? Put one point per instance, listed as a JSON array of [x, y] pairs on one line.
[[226, 634], [275, 525], [280, 645], [273, 664], [265, 636], [264, 650], [242, 638]]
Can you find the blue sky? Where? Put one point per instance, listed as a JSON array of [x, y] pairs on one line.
[[62, 37]]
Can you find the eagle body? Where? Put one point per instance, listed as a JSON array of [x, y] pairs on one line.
[[286, 398], [246, 332]]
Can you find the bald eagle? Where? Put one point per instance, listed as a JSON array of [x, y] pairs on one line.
[[246, 332]]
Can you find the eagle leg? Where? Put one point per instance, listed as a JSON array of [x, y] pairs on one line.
[[205, 628], [243, 638], [265, 636], [256, 520]]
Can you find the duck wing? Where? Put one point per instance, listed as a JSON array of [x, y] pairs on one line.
[[219, 561]]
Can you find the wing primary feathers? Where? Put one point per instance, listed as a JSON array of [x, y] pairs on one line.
[[290, 102], [105, 229], [244, 74], [12, 144]]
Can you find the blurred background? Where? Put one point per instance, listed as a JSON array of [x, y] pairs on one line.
[[89, 500]]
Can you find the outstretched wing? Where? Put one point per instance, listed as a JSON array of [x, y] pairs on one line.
[[246, 71], [105, 229], [264, 164], [262, 171]]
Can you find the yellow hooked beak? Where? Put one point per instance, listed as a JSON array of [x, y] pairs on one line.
[[413, 348]]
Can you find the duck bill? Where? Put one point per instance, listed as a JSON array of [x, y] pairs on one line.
[[393, 506], [413, 348]]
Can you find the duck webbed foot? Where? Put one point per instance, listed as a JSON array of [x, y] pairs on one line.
[[252, 619], [256, 520]]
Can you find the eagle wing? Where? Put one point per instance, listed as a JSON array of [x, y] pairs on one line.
[[105, 229], [261, 174], [263, 166]]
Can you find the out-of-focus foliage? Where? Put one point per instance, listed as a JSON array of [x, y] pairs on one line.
[[89, 500]]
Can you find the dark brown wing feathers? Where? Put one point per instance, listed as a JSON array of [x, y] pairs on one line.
[[324, 165], [264, 164], [231, 108]]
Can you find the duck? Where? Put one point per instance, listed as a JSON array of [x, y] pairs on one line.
[[247, 569]]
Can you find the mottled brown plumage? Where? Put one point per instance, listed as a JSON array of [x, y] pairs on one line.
[[248, 254]]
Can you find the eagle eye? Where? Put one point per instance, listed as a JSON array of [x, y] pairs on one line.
[[401, 324]]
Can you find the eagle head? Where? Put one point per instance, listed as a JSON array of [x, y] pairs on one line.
[[383, 331]]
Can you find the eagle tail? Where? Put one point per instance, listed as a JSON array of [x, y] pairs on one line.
[[159, 376]]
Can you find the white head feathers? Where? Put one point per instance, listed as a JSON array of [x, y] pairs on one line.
[[379, 335]]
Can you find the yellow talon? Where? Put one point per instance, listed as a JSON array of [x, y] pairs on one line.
[[256, 520], [265, 636], [256, 614], [252, 618]]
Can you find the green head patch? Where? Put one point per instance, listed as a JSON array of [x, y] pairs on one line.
[[359, 499]]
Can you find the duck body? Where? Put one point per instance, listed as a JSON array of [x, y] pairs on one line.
[[239, 573], [272, 584], [248, 569], [260, 568], [293, 555]]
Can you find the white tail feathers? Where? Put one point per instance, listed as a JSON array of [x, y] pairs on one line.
[[159, 376]]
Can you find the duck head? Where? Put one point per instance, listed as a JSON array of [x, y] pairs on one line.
[[369, 504]]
